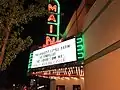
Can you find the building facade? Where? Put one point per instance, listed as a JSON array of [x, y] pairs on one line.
[[100, 27]]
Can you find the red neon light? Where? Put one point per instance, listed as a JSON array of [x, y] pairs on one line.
[[51, 28], [52, 8], [50, 41], [52, 18], [53, 40]]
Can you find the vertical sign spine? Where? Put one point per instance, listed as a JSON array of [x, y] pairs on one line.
[[80, 48], [30, 61]]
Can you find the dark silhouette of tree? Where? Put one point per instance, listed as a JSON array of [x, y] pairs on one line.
[[13, 15]]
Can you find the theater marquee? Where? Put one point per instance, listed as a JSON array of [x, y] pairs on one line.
[[56, 54]]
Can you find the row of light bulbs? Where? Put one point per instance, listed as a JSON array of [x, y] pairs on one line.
[[66, 71], [63, 78]]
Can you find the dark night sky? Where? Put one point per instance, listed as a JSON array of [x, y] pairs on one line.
[[37, 29]]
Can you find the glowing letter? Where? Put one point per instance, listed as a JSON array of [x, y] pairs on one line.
[[52, 18], [51, 28], [48, 40], [52, 8], [53, 40]]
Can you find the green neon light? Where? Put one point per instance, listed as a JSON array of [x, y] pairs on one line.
[[79, 39], [52, 35], [78, 42], [30, 61], [83, 45], [52, 23], [58, 18], [31, 54], [80, 48], [81, 57], [48, 0], [53, 13]]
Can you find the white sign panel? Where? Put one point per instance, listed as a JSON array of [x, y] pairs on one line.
[[59, 53]]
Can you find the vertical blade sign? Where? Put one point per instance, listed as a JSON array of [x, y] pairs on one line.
[[54, 23], [80, 48], [30, 61]]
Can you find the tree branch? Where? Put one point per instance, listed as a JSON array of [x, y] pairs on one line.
[[7, 32]]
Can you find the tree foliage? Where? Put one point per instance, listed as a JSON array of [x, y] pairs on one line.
[[15, 13]]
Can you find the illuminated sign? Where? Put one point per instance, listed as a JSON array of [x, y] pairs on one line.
[[56, 54], [30, 61], [68, 71], [67, 51], [80, 48], [53, 21], [71, 50]]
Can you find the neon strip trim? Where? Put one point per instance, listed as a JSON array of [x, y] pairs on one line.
[[52, 23], [51, 35]]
